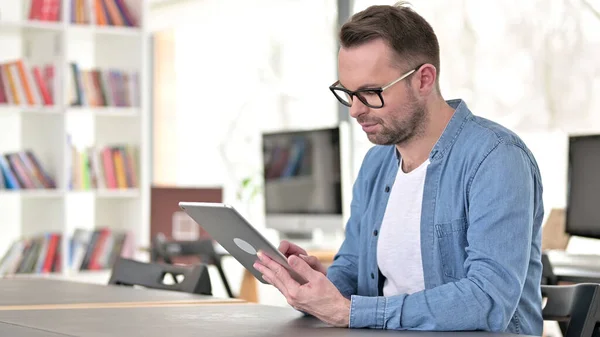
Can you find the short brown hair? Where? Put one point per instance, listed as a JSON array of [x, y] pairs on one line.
[[405, 31]]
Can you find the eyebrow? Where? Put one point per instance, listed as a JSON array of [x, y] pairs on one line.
[[364, 86]]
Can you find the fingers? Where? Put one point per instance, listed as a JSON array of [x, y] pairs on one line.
[[311, 260], [269, 276], [303, 268], [284, 246], [275, 274], [287, 248], [314, 262]]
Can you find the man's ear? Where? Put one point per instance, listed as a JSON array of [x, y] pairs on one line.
[[427, 77]]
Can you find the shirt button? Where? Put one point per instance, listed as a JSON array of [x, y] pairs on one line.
[[375, 233], [372, 276], [387, 189]]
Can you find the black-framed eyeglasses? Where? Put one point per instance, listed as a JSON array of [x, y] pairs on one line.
[[371, 97]]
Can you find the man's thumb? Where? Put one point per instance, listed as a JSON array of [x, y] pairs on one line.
[[301, 266], [311, 260]]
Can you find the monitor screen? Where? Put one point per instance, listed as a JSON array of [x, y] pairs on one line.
[[302, 172], [583, 188]]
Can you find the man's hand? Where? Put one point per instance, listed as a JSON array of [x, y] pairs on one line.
[[318, 297], [288, 249]]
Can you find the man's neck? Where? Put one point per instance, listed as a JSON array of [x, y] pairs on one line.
[[416, 151]]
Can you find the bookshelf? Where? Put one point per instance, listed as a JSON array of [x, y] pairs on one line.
[[96, 74]]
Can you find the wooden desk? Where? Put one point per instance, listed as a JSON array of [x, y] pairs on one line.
[[249, 287], [248, 320], [28, 294]]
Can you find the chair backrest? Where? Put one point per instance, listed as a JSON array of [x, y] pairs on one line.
[[548, 276], [167, 251], [196, 279], [577, 304], [158, 251]]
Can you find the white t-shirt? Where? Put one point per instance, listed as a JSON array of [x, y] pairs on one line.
[[399, 243]]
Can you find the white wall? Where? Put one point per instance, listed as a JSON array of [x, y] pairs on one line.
[[243, 68]]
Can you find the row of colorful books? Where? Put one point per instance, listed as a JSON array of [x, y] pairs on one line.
[[104, 12], [89, 249], [24, 84], [23, 170], [103, 87], [45, 10], [108, 167]]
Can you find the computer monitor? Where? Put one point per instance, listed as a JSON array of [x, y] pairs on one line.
[[583, 187], [303, 181]]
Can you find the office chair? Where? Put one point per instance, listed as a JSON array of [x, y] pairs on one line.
[[127, 272], [167, 250], [548, 276], [577, 305]]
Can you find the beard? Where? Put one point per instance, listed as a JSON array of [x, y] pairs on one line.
[[399, 131]]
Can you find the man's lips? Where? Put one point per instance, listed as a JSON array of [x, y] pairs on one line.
[[368, 127]]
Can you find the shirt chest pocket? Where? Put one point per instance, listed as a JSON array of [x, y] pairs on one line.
[[452, 244]]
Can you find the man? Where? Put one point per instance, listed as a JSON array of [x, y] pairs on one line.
[[444, 231]]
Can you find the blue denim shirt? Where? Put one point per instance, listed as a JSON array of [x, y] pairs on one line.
[[480, 235]]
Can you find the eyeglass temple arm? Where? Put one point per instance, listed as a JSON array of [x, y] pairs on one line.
[[398, 80]]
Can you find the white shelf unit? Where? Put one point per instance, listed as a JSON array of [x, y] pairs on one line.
[[45, 129]]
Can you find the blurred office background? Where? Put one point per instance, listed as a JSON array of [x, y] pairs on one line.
[[211, 79]]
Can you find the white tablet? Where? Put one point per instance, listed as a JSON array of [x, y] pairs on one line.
[[224, 224]]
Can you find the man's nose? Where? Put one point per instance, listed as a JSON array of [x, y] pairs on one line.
[[358, 108]]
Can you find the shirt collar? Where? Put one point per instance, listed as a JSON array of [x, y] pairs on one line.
[[453, 128]]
